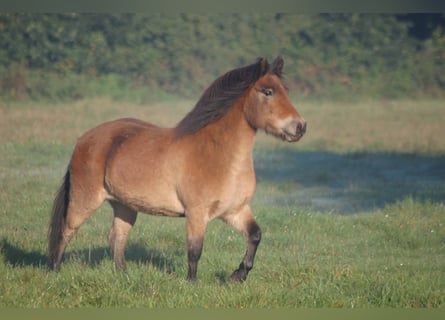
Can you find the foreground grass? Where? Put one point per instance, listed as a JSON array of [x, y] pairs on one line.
[[394, 257], [348, 220]]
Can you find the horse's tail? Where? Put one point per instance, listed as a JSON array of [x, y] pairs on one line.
[[58, 219]]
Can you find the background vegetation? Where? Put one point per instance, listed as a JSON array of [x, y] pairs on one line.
[[146, 57]]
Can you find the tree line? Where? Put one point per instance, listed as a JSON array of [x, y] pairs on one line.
[[72, 55]]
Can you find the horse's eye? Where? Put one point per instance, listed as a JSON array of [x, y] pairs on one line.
[[267, 92]]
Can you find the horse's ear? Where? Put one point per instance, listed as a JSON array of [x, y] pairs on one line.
[[264, 66], [277, 66]]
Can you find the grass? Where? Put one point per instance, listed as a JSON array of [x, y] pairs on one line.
[[393, 257], [352, 219]]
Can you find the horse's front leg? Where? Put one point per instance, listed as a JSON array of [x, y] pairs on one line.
[[196, 227], [244, 222]]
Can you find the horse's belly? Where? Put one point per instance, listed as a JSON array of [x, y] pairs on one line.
[[145, 192], [159, 201], [165, 210], [151, 202]]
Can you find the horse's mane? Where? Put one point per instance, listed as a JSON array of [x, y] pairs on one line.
[[221, 95]]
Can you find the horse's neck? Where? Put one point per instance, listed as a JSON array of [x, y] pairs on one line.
[[230, 136], [234, 129]]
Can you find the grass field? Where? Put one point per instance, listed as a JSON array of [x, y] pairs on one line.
[[352, 216]]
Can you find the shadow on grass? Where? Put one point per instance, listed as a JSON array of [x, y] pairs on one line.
[[19, 257], [346, 183]]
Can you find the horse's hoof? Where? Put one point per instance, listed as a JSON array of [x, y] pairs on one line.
[[238, 276]]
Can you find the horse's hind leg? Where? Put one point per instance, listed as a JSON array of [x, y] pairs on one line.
[[244, 222], [124, 219], [79, 208]]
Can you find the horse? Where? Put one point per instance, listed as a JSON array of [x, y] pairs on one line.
[[202, 169]]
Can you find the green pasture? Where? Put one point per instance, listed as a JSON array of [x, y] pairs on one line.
[[352, 216]]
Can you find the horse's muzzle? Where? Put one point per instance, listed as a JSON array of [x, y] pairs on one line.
[[294, 130]]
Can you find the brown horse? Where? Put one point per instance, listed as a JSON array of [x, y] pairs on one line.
[[202, 169]]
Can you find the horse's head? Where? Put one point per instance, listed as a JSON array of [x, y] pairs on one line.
[[267, 105]]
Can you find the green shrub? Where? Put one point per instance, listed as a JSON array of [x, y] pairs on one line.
[[69, 56]]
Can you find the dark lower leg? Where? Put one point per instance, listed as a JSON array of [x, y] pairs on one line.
[[194, 250], [254, 238]]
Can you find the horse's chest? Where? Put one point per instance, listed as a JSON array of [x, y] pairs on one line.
[[232, 192]]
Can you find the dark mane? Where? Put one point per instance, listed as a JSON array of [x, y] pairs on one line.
[[220, 96]]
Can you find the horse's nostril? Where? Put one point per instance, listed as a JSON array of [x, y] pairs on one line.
[[301, 126]]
